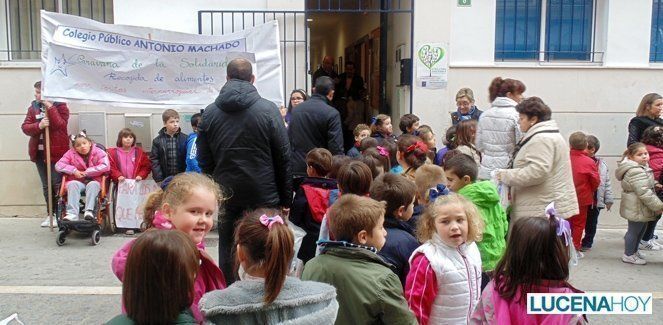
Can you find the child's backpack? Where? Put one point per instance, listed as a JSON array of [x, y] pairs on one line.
[[313, 196]]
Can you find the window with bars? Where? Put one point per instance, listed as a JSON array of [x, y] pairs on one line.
[[656, 43], [22, 28], [566, 26]]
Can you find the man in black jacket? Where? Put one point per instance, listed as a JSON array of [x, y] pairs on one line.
[[242, 142], [315, 124]]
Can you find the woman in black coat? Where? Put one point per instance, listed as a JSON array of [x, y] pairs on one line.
[[648, 114]]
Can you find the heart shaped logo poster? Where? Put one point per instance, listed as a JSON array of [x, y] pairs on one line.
[[429, 56]]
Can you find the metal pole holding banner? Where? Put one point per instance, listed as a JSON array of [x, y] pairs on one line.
[[48, 177]]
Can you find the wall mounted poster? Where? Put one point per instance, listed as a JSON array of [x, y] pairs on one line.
[[432, 65]]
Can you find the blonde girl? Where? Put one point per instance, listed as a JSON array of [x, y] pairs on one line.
[[189, 203], [444, 283]]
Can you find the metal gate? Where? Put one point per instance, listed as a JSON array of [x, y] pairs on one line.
[[294, 38], [295, 34]]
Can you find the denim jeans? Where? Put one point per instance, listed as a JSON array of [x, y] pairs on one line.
[[590, 226], [74, 189], [649, 232], [633, 237]]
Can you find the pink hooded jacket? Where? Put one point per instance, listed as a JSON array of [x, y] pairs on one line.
[[493, 309], [96, 165], [209, 277]]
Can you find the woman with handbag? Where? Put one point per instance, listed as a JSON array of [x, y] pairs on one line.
[[540, 172]]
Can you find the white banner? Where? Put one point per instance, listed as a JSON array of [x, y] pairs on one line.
[[88, 61], [131, 195]]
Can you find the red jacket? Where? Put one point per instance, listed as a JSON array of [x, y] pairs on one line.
[[142, 164], [585, 177], [655, 160], [58, 117]]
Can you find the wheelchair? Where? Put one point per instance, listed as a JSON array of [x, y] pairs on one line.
[[103, 215]]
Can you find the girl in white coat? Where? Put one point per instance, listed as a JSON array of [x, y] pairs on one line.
[[498, 131], [444, 282]]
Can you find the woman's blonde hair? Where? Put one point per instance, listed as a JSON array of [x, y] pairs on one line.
[[426, 225], [178, 190], [646, 102], [465, 92]]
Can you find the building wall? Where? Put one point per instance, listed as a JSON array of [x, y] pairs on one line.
[[598, 99]]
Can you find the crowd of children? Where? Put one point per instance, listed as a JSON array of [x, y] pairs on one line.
[[395, 231]]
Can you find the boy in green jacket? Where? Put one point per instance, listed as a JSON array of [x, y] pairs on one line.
[[368, 292], [461, 172]]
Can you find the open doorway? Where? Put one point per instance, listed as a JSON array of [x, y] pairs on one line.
[[363, 40]]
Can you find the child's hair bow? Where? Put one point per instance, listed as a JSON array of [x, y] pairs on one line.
[[563, 229], [382, 151], [437, 191], [417, 145], [269, 221]]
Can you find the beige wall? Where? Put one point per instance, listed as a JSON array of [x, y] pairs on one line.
[[20, 189]]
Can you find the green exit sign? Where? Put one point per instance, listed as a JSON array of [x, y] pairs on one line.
[[464, 3]]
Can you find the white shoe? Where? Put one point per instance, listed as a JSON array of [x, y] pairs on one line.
[[89, 216], [655, 243], [640, 254], [47, 223], [649, 246], [70, 217], [633, 259]]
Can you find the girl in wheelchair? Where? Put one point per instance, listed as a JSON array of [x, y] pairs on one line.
[[84, 165]]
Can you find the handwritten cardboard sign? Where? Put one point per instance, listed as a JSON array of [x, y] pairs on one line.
[[88, 61], [131, 195]]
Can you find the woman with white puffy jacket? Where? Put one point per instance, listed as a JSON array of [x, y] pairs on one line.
[[498, 131]]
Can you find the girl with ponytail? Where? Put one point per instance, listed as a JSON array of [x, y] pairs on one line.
[[497, 132], [265, 293], [411, 154], [537, 258]]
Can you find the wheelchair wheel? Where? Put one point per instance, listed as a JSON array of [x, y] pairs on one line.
[[60, 238], [96, 237], [109, 218]]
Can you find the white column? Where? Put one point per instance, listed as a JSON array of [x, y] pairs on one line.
[[629, 32]]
